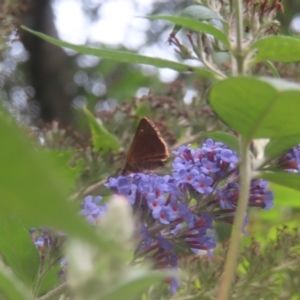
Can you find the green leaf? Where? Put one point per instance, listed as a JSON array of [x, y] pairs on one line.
[[18, 250], [199, 12], [228, 139], [128, 57], [258, 107], [278, 146], [11, 286], [272, 68], [50, 280], [103, 140], [32, 189], [196, 25], [277, 48], [133, 286], [285, 196], [285, 179]]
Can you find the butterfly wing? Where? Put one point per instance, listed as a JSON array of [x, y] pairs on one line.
[[148, 150]]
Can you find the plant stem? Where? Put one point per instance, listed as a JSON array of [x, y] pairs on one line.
[[233, 251], [56, 292], [239, 55], [245, 173]]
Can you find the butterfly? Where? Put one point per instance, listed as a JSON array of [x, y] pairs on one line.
[[148, 150]]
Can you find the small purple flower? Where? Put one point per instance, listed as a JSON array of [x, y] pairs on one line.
[[181, 150], [290, 162], [228, 156], [259, 195], [187, 215], [175, 206], [146, 239], [204, 242], [174, 284], [91, 210], [155, 203], [63, 262], [209, 166], [224, 199], [211, 146], [165, 214], [181, 164], [164, 243], [184, 176], [269, 200], [123, 185], [176, 229], [40, 242], [202, 184], [199, 154], [112, 184]]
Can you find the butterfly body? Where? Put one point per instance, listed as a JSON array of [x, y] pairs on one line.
[[148, 150]]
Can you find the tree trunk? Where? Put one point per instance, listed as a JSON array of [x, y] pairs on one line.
[[49, 68]]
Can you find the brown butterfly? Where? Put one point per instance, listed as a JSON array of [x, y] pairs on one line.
[[148, 150]]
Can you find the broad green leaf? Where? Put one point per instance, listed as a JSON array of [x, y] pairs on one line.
[[18, 250], [278, 146], [103, 140], [267, 215], [258, 107], [11, 286], [196, 25], [50, 280], [32, 189], [228, 139], [277, 48], [131, 287], [288, 180], [285, 196], [128, 57]]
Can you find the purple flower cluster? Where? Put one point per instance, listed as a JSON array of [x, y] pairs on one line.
[[176, 212], [41, 238], [203, 171], [201, 168], [47, 243], [291, 160]]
